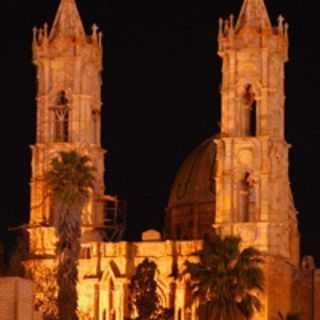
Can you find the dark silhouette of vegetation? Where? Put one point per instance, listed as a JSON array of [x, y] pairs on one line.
[[46, 290], [226, 280], [144, 296], [69, 180]]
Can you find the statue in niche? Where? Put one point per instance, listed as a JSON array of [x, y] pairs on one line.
[[251, 181], [248, 96], [247, 197], [61, 117]]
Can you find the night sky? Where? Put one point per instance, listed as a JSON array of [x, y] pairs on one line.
[[161, 99]]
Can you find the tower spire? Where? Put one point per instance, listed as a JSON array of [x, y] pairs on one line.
[[67, 22], [254, 15]]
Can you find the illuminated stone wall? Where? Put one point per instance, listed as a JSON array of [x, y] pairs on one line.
[[252, 190], [16, 300], [68, 64], [317, 294], [106, 273]]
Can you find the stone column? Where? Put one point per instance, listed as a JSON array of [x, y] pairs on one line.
[[96, 301], [121, 299], [179, 302]]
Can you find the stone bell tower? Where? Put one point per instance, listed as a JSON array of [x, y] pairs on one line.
[[68, 65], [253, 195]]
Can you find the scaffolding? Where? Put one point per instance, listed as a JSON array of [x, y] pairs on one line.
[[114, 217]]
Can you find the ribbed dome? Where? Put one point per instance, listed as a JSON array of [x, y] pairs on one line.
[[192, 200], [194, 182]]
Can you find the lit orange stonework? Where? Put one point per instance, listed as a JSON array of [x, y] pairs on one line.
[[68, 103], [253, 196], [237, 181]]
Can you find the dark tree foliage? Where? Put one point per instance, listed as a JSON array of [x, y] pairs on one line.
[[144, 296], [69, 180], [226, 280]]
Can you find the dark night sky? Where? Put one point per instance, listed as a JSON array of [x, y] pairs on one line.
[[161, 99]]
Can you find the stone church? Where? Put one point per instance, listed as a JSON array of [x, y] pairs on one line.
[[236, 181]]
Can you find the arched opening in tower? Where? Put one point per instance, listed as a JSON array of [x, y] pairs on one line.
[[61, 118], [244, 199], [250, 114], [253, 119]]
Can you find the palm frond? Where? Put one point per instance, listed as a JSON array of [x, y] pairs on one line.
[[225, 277]]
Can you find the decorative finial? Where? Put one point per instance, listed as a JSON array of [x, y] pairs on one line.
[[226, 27], [94, 32], [40, 35], [286, 28], [231, 24], [280, 19], [34, 31], [280, 23], [45, 27], [94, 28], [231, 20], [100, 39], [220, 26]]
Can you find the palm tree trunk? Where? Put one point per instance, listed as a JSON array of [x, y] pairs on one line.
[[68, 250]]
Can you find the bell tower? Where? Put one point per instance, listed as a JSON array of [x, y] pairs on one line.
[[254, 54], [69, 63], [253, 194]]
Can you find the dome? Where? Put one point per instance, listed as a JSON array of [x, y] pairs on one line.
[[191, 206]]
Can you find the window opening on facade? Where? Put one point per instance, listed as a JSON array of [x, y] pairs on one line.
[[85, 253], [61, 118], [253, 119], [244, 203], [250, 104]]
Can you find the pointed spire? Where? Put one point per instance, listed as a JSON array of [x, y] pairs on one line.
[[254, 14], [67, 22]]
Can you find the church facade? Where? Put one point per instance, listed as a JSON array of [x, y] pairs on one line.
[[236, 181]]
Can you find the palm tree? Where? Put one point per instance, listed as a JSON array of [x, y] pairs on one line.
[[226, 279], [69, 180]]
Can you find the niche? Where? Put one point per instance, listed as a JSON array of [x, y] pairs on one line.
[[244, 199], [250, 114], [61, 118]]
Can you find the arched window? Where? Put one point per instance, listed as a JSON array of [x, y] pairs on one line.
[[253, 119], [61, 118], [250, 114]]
